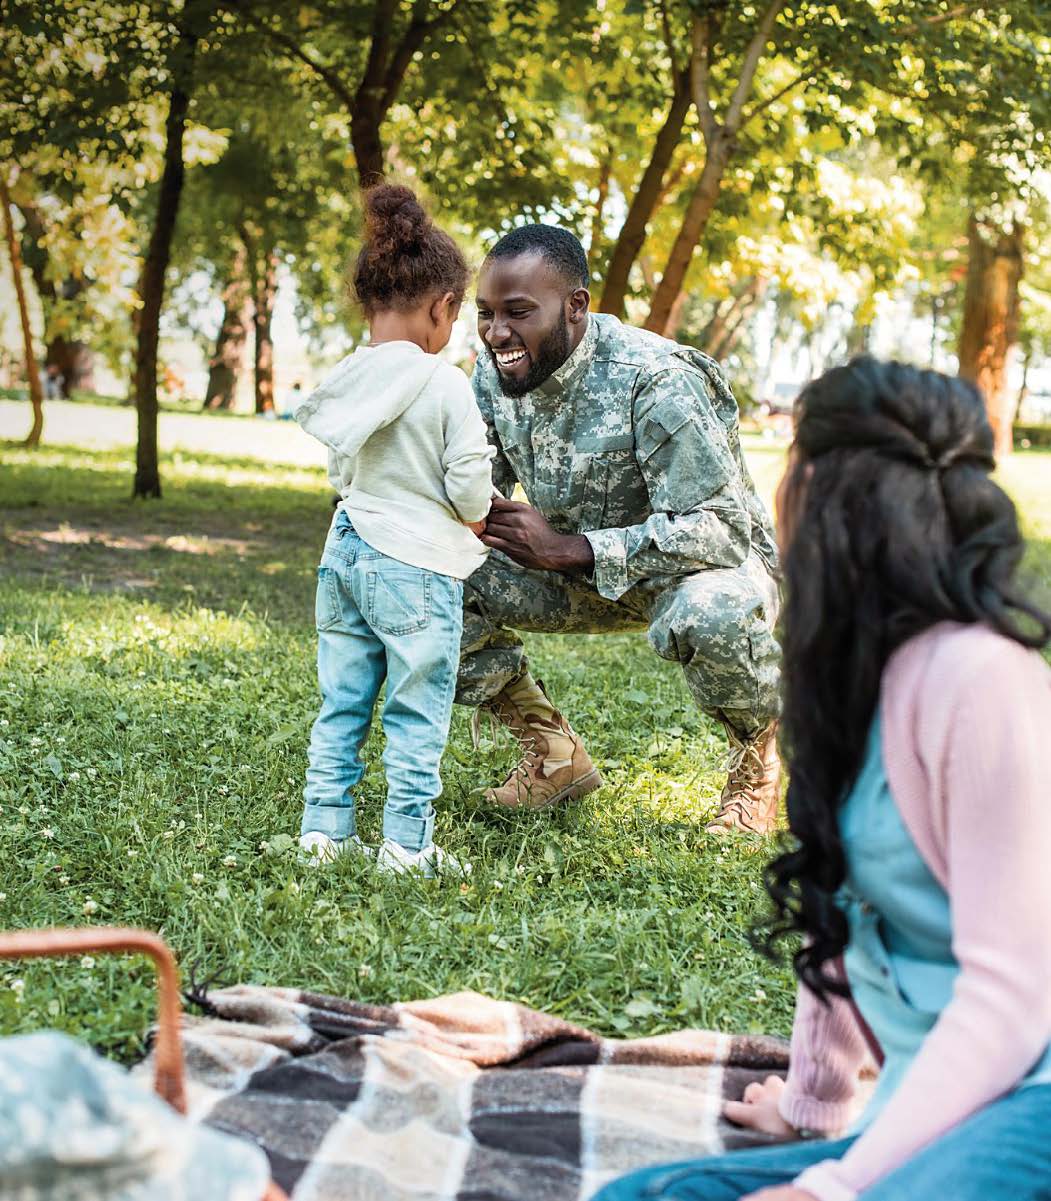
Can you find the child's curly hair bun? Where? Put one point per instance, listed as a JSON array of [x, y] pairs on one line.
[[394, 219], [406, 257]]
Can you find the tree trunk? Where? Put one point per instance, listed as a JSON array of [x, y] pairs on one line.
[[36, 392], [76, 362], [990, 320], [368, 145], [702, 203], [671, 327], [151, 288], [633, 232], [224, 368], [265, 295]]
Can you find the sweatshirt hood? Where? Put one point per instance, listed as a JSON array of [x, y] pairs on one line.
[[368, 390]]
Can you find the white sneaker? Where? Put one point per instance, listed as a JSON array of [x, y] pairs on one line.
[[432, 860], [316, 849]]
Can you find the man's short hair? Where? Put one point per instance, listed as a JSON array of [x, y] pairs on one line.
[[558, 246]]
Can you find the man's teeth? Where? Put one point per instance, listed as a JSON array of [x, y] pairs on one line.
[[508, 358]]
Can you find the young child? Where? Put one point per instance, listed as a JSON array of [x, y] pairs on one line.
[[409, 457], [915, 717]]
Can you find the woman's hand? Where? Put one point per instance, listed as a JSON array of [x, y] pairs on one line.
[[476, 527], [759, 1110], [782, 1192]]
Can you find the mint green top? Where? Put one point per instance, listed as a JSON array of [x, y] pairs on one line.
[[899, 961]]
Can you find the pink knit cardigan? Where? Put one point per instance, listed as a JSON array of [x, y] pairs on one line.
[[966, 717]]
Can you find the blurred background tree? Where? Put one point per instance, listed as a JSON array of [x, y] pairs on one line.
[[779, 182]]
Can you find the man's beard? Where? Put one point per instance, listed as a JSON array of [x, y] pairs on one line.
[[550, 355]]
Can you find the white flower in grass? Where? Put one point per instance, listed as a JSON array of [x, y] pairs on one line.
[[230, 861], [197, 878], [47, 832], [89, 907], [365, 971], [4, 722], [18, 987], [34, 741], [92, 772], [168, 835], [63, 880], [3, 897], [73, 775], [132, 853], [223, 789], [23, 809], [87, 961]]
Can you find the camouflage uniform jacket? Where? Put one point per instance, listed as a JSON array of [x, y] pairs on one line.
[[634, 443]]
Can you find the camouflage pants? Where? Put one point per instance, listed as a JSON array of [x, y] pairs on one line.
[[718, 624]]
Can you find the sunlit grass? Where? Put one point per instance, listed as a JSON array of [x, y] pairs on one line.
[[155, 702]]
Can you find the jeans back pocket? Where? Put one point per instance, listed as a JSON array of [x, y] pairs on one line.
[[399, 597], [328, 612]]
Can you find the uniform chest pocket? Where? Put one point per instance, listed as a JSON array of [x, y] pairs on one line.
[[611, 479]]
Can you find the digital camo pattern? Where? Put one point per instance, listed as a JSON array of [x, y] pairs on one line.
[[634, 443]]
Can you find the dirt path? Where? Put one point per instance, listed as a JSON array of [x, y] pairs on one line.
[[100, 427]]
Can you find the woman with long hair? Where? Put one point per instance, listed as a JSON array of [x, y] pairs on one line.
[[919, 878]]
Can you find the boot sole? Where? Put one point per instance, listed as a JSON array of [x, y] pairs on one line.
[[571, 792]]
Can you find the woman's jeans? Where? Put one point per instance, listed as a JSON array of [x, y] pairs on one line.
[[379, 619], [1002, 1152]]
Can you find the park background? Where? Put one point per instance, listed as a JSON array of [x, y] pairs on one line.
[[780, 184]]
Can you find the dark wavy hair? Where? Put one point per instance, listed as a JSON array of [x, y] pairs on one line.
[[405, 257], [894, 524]]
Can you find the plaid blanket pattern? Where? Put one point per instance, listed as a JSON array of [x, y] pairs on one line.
[[460, 1098]]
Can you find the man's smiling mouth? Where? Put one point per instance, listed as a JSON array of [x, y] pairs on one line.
[[509, 358]]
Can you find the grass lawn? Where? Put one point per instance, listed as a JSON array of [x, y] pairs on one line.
[[156, 692]]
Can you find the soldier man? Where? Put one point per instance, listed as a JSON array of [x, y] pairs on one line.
[[642, 515]]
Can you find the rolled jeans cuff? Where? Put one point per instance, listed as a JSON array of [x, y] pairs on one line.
[[412, 833], [337, 821]]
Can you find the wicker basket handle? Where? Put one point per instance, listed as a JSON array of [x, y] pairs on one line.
[[169, 1069], [169, 1075]]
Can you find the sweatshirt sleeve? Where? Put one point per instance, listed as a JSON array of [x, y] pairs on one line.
[[467, 457], [997, 847], [827, 1052]]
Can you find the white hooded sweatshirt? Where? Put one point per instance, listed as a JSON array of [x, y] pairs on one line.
[[408, 454]]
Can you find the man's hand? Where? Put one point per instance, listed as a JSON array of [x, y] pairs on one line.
[[759, 1109], [525, 536]]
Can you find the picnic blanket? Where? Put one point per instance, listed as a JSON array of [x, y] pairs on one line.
[[460, 1098]]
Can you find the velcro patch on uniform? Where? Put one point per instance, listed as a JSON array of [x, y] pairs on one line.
[[600, 442]]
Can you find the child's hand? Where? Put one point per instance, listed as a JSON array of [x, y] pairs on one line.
[[476, 527], [759, 1109]]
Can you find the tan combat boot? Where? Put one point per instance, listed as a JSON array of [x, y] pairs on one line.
[[753, 786], [554, 765]]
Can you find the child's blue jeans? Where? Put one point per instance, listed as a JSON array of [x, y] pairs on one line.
[[1001, 1152], [378, 618]]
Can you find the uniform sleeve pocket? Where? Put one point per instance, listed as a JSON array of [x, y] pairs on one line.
[[666, 418]]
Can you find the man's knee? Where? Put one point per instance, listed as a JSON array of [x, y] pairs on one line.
[[712, 615]]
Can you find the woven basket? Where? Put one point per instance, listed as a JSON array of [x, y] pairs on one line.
[[169, 1069]]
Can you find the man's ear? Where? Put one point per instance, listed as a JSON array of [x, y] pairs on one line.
[[579, 303]]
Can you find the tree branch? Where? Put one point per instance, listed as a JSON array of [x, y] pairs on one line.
[[802, 77], [750, 64], [370, 90], [669, 40], [328, 76], [700, 82], [418, 31]]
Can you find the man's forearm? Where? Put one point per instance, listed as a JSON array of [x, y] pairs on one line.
[[574, 555]]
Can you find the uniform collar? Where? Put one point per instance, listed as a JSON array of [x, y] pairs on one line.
[[572, 370]]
